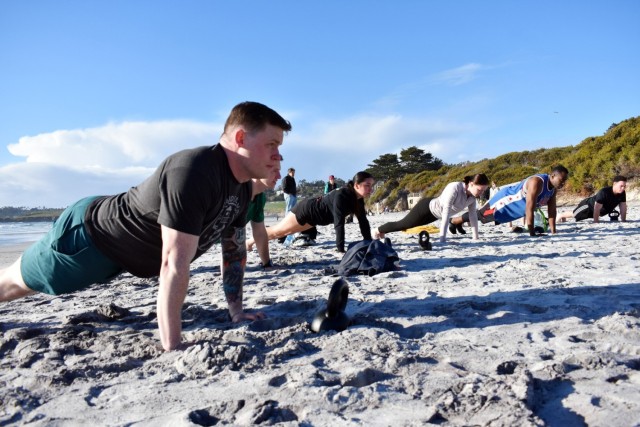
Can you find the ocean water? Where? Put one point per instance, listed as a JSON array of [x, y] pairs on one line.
[[16, 233]]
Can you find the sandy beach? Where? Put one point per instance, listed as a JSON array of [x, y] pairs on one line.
[[509, 330], [9, 253]]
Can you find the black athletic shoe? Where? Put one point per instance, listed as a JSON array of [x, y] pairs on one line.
[[423, 241], [460, 229], [452, 228]]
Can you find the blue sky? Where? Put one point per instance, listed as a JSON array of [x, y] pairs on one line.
[[94, 94]]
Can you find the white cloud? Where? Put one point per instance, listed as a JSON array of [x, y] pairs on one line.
[[40, 184], [115, 145], [421, 89], [65, 165], [343, 147], [458, 76], [379, 134], [354, 134]]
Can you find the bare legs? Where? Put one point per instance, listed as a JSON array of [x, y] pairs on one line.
[[288, 225], [564, 216], [11, 284]]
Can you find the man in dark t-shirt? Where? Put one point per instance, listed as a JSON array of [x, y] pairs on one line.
[[181, 194], [604, 202], [193, 199]]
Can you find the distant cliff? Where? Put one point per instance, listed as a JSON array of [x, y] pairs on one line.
[[20, 214]]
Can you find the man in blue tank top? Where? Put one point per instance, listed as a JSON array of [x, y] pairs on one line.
[[521, 199]]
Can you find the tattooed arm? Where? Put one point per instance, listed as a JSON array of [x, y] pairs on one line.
[[234, 258]]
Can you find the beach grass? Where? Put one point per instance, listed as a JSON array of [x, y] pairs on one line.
[[274, 208]]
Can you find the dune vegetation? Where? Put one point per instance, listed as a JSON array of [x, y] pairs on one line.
[[592, 164]]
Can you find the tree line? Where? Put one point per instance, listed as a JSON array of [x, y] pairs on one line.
[[411, 160], [11, 213]]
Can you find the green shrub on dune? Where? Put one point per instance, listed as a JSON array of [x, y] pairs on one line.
[[592, 164]]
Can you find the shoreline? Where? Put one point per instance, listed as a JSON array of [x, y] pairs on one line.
[[26, 219]]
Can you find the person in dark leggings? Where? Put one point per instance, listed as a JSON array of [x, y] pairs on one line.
[[332, 208], [456, 197]]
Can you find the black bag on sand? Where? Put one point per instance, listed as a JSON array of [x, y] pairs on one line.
[[368, 257]]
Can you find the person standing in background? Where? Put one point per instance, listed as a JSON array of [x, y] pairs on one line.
[[290, 191], [493, 190], [330, 185]]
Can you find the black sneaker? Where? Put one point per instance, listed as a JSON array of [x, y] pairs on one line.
[[460, 229], [452, 229], [423, 241]]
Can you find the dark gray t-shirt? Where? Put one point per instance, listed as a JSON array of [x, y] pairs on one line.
[[608, 199], [192, 191]]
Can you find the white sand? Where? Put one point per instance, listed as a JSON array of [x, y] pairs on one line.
[[10, 253], [509, 330]]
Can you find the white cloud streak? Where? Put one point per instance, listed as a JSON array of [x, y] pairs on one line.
[[372, 134], [458, 76], [63, 166], [347, 146], [452, 77], [115, 145]]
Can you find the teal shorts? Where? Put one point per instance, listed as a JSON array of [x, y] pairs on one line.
[[66, 260]]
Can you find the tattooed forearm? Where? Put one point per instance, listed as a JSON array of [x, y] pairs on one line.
[[234, 258]]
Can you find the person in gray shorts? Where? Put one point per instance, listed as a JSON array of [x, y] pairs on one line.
[[195, 198]]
